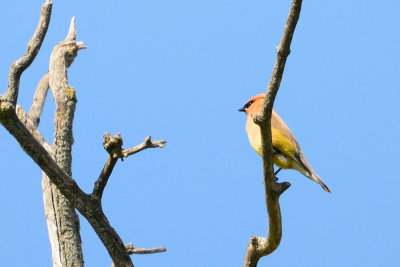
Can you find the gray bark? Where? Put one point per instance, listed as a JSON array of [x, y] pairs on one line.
[[61, 193], [51, 220], [67, 220]]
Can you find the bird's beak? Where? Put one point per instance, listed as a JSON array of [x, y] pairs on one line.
[[242, 110]]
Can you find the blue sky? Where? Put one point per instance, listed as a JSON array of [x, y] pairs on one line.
[[179, 70]]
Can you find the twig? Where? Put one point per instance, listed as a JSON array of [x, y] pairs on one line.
[[38, 100], [146, 144], [259, 246], [133, 250], [32, 50], [113, 145], [101, 182]]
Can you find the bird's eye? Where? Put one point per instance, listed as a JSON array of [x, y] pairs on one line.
[[248, 104]]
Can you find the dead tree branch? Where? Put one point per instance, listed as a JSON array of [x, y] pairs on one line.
[[34, 44], [64, 95], [260, 246], [50, 210], [113, 145], [38, 100], [133, 250], [146, 144], [48, 188], [58, 169]]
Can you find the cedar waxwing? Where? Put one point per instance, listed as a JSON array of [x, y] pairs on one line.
[[287, 152]]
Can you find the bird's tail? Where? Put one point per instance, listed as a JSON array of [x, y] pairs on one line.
[[306, 170], [316, 178]]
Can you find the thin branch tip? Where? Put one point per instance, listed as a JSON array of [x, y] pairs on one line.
[[81, 45], [146, 144], [132, 250], [33, 47], [159, 143], [71, 36]]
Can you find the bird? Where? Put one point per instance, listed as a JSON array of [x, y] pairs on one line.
[[287, 153]]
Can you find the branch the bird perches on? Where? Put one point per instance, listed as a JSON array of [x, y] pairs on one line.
[[261, 246]]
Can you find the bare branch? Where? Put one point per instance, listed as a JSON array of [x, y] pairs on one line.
[[103, 178], [113, 145], [71, 36], [101, 182], [146, 144], [38, 100], [15, 120], [258, 246], [9, 119], [61, 58], [32, 129], [133, 250], [32, 50]]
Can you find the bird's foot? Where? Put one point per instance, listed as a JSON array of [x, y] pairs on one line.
[[276, 178]]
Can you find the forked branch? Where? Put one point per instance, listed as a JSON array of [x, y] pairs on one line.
[[24, 129], [260, 246], [113, 145]]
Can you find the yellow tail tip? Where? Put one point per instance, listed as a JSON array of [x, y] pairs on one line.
[[327, 189]]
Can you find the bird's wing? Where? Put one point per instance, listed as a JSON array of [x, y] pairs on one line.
[[283, 144], [286, 143], [279, 124]]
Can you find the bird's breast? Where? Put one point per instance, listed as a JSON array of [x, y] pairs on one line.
[[280, 142], [254, 135]]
